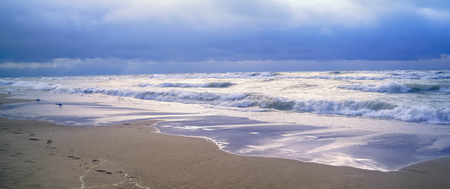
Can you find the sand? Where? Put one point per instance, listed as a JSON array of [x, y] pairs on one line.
[[37, 154], [6, 99]]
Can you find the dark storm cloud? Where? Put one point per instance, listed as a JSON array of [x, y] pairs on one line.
[[174, 32]]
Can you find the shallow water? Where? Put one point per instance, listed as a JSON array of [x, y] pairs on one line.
[[381, 120]]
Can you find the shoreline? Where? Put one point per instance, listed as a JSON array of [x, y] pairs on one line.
[[6, 99], [38, 154], [46, 155]]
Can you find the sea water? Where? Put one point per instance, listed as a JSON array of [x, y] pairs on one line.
[[378, 120]]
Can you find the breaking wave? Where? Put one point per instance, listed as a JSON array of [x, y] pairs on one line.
[[182, 85], [445, 90], [390, 87], [257, 101], [380, 75], [334, 75], [3, 82], [249, 100], [55, 78], [32, 84], [38, 85], [361, 108], [395, 87], [229, 75]]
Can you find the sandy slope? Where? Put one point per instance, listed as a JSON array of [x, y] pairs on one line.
[[44, 155]]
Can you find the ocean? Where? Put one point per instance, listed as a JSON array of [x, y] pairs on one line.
[[376, 120]]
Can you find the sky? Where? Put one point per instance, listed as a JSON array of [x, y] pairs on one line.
[[86, 37]]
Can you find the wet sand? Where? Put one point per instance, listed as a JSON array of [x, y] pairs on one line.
[[37, 154], [6, 99]]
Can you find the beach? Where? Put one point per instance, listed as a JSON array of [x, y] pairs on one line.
[[39, 154], [225, 94], [373, 120]]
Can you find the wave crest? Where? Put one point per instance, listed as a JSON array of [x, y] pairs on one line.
[[390, 87], [187, 85], [3, 82], [394, 87], [229, 75]]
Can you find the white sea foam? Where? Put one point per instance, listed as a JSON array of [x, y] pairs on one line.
[[348, 107], [3, 82], [269, 94], [348, 77], [38, 85], [376, 109], [416, 114], [445, 90], [379, 75], [103, 78], [244, 100], [438, 145], [183, 85], [55, 78], [390, 87], [168, 96], [344, 75], [362, 108], [285, 99], [445, 74], [395, 87], [229, 75]]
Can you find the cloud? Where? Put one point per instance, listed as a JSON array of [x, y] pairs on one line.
[[445, 57], [98, 66], [55, 63], [326, 12], [205, 14], [41, 31], [214, 14], [435, 15], [326, 32], [71, 63]]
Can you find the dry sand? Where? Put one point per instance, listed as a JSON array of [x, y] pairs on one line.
[[37, 154]]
